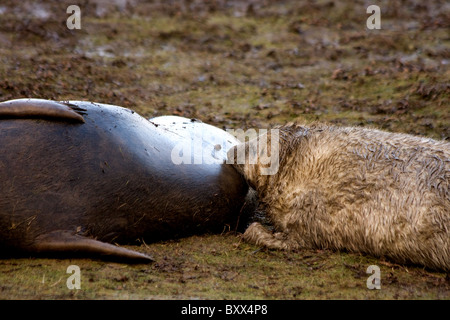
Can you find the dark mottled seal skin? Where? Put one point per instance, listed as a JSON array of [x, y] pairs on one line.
[[79, 177]]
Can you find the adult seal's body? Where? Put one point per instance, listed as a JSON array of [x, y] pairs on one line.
[[356, 189], [80, 176]]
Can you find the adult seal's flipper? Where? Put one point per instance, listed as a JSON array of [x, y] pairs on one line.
[[63, 241], [40, 108]]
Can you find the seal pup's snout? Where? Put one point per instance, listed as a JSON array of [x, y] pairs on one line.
[[236, 156]]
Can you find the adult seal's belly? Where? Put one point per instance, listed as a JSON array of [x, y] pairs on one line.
[[79, 176]]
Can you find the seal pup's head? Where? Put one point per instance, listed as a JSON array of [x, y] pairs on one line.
[[260, 158]]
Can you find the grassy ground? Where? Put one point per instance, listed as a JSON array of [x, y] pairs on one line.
[[220, 267], [239, 64]]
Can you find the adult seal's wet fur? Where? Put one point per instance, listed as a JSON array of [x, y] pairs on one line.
[[80, 177]]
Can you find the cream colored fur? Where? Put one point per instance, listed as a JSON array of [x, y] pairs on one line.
[[357, 189]]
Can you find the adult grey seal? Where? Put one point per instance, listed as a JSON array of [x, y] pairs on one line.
[[356, 189], [78, 177]]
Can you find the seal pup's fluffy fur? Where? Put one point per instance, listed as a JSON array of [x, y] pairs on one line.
[[356, 189]]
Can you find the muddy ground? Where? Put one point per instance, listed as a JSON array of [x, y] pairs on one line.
[[233, 64]]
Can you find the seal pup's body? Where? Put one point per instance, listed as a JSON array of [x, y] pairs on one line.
[[356, 189]]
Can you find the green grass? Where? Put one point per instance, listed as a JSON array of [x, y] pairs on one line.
[[220, 267]]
